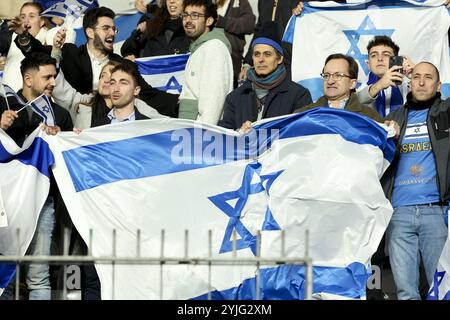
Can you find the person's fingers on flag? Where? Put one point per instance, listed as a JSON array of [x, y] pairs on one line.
[[298, 9], [245, 128], [51, 131], [2, 62], [141, 6], [77, 130]]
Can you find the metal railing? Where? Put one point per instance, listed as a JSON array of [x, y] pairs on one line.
[[258, 261]]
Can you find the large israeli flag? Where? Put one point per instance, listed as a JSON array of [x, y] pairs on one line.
[[24, 186], [418, 27], [165, 73], [316, 171]]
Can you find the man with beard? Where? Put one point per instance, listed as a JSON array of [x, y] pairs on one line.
[[209, 70], [82, 65], [38, 73]]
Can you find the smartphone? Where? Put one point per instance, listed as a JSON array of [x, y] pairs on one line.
[[396, 61]]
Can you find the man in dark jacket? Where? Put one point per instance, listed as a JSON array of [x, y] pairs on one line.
[[418, 182], [267, 92], [82, 65], [38, 73], [124, 90], [339, 75]]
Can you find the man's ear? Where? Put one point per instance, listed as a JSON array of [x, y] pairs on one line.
[[209, 21], [280, 61], [28, 80], [137, 90], [353, 83], [90, 33]]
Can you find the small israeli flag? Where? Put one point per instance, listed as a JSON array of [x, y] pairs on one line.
[[69, 8], [42, 106]]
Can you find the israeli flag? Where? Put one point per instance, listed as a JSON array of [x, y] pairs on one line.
[[24, 186], [440, 289], [316, 171], [166, 73], [69, 8], [8, 92], [43, 107], [418, 27]]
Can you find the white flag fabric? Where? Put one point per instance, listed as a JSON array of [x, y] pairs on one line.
[[8, 92], [164, 73], [24, 186], [418, 27], [317, 170], [43, 107]]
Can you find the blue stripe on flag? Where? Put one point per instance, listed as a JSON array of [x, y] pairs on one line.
[[334, 121], [163, 65], [37, 155], [94, 165], [152, 155], [7, 272], [290, 30], [288, 283]]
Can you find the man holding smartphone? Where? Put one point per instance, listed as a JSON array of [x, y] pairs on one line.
[[387, 85]]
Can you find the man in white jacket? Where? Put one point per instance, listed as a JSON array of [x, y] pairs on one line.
[[209, 70]]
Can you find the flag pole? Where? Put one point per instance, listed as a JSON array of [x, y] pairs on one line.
[[6, 98], [29, 103]]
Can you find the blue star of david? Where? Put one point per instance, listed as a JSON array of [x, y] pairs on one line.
[[366, 28], [172, 84], [247, 188], [46, 109]]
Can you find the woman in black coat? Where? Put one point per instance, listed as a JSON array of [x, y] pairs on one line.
[[162, 35]]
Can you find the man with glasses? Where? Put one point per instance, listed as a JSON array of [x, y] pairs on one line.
[[268, 91], [339, 75], [82, 65], [387, 87], [209, 70]]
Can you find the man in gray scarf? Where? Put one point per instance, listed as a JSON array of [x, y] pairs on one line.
[[267, 92]]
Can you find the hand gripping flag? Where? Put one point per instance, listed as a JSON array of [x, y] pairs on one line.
[[418, 27], [24, 186], [316, 171]]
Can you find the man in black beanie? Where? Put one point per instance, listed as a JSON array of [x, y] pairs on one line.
[[268, 91]]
